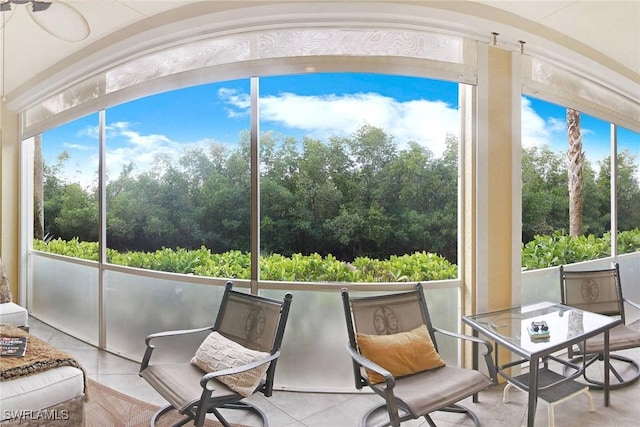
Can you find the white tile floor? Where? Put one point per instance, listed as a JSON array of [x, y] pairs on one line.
[[293, 409]]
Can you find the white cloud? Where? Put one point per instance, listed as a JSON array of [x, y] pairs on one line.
[[71, 146], [142, 150], [538, 132], [423, 121]]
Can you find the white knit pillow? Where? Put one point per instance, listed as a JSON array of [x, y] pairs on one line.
[[217, 353]]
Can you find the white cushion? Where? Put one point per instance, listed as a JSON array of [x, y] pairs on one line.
[[13, 314], [217, 353], [41, 390]]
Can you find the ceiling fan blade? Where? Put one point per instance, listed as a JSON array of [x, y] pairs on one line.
[[61, 21], [5, 15]]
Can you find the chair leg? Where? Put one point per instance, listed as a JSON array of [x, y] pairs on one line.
[[378, 416], [163, 411], [550, 415], [592, 407], [459, 409], [595, 384], [247, 407], [430, 421], [505, 393]]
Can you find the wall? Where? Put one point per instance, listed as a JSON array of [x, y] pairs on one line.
[[9, 179]]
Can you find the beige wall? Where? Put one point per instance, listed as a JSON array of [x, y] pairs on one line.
[[9, 167]]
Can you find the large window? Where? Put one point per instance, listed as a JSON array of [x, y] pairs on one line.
[[628, 190], [566, 193], [178, 185], [65, 184], [358, 179]]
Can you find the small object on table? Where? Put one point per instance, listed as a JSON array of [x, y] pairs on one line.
[[538, 331]]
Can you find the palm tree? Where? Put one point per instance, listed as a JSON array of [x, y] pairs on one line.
[[38, 194], [576, 163]]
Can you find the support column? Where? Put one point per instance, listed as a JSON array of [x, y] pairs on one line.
[[498, 180], [493, 190]]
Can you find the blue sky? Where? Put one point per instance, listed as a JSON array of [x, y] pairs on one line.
[[316, 105]]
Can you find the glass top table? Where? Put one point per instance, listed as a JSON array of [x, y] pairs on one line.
[[567, 326]]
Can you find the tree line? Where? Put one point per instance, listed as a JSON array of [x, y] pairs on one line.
[[361, 195]]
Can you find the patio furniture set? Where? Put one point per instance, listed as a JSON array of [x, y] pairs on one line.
[[393, 347]]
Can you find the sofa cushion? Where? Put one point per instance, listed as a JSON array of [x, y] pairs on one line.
[[41, 390], [13, 314]]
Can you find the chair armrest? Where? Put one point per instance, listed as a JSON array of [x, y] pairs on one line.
[[389, 379], [166, 334], [236, 370], [493, 372]]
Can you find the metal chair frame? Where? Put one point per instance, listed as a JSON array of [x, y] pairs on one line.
[[588, 359], [197, 411], [395, 409]]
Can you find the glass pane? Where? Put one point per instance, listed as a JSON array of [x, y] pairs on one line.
[[137, 306], [562, 226], [358, 178], [178, 181], [628, 191], [313, 348], [65, 189], [64, 294]]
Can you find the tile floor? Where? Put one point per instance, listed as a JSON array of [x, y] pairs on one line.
[[294, 409]]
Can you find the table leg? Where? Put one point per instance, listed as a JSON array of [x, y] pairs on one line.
[[533, 391], [606, 368], [474, 362]]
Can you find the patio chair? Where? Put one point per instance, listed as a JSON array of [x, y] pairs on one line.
[[237, 359], [600, 291], [393, 347]]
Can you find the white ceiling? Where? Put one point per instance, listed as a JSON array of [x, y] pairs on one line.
[[605, 32]]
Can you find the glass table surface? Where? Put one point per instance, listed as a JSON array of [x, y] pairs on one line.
[[566, 324]]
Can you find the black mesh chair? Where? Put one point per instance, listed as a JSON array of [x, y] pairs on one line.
[[251, 328], [416, 394], [600, 291]]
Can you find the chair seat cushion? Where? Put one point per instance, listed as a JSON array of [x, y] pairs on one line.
[[41, 390], [428, 391], [179, 384], [620, 338], [217, 353], [401, 354], [13, 314]]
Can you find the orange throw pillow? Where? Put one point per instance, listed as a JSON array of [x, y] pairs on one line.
[[401, 354]]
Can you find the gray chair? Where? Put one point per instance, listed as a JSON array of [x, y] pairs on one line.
[[252, 323], [600, 291], [418, 394]]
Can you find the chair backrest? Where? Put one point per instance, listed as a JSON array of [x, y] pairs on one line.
[[253, 321], [385, 315], [598, 291]]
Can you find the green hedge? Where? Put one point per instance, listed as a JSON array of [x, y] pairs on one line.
[[559, 249], [297, 268], [543, 251]]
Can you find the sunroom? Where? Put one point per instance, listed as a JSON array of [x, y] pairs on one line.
[[273, 97]]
